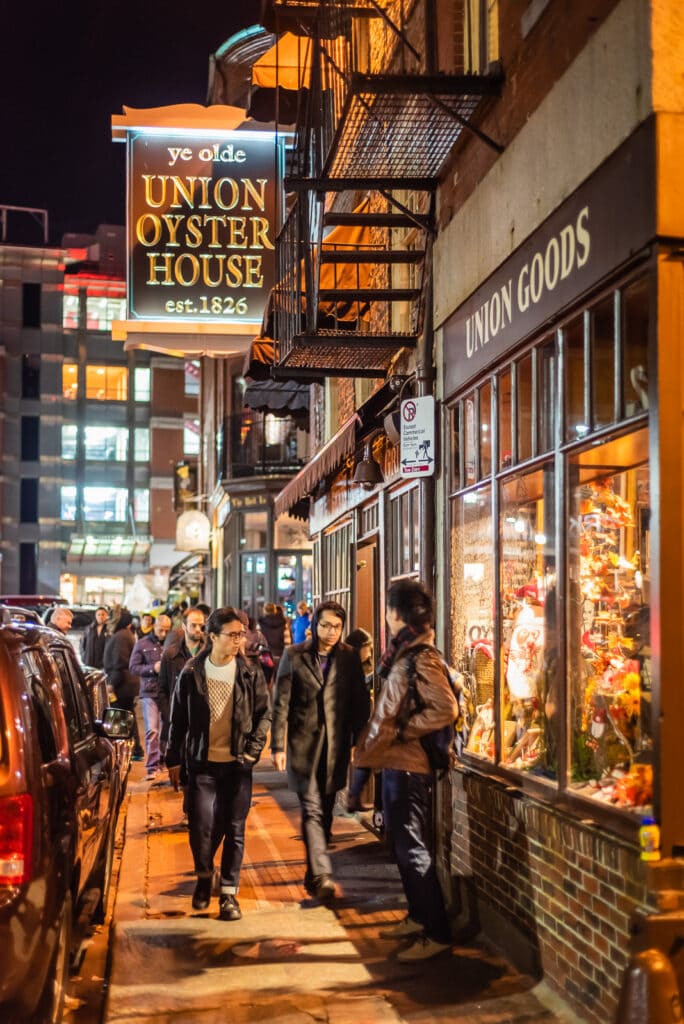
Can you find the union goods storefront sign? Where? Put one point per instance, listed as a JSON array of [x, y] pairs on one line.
[[586, 238]]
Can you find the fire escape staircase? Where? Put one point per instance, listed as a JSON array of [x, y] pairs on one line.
[[354, 256]]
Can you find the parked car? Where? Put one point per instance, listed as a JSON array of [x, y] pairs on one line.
[[59, 796], [99, 694], [37, 602]]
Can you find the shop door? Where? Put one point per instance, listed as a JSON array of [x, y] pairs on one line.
[[368, 617], [253, 584]]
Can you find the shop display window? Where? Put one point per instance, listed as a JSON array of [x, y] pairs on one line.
[[472, 604], [609, 654], [529, 694], [549, 604]]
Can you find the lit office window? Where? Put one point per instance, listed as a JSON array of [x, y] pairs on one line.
[[69, 380], [141, 384], [102, 310], [192, 377], [191, 437], [141, 444], [105, 504], [67, 503], [107, 383], [69, 440], [141, 505], [106, 443]]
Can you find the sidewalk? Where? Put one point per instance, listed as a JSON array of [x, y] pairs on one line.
[[289, 960]]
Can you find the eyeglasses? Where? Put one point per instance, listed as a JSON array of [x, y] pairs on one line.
[[234, 636], [336, 626]]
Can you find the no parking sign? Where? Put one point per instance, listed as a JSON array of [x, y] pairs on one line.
[[418, 436]]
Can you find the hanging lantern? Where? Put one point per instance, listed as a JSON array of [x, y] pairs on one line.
[[192, 531]]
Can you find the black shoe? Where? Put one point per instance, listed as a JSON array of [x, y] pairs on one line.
[[229, 908], [309, 884], [202, 894], [324, 889]]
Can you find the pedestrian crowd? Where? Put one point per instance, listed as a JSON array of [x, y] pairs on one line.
[[212, 686]]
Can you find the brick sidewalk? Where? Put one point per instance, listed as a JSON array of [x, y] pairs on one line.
[[288, 960]]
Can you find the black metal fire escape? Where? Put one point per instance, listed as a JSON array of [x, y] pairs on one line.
[[354, 256]]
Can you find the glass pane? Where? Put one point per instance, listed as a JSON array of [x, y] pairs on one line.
[[105, 504], [528, 571], [141, 384], [69, 435], [69, 381], [547, 397], [191, 437], [286, 584], [107, 383], [525, 411], [405, 534], [67, 503], [141, 505], [486, 430], [609, 653], [470, 449], [472, 600], [635, 347], [141, 442], [455, 433], [603, 362], [575, 420], [505, 438], [106, 443], [415, 519]]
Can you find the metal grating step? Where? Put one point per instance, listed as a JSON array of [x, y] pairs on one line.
[[373, 256], [369, 294], [373, 220]]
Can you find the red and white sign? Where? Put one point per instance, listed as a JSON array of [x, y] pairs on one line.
[[418, 436]]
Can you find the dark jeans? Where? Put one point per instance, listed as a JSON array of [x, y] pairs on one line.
[[317, 814], [407, 805], [359, 778], [218, 803]]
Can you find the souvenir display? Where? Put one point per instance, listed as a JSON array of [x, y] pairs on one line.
[[611, 742]]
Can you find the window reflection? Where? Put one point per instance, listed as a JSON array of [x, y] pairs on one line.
[[107, 383], [106, 443], [70, 381]]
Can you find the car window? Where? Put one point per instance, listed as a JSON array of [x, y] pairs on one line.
[[73, 680], [40, 698], [42, 669]]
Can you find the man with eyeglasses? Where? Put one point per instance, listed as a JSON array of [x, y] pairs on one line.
[[220, 716], [322, 700]]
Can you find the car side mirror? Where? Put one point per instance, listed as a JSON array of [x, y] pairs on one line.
[[118, 724]]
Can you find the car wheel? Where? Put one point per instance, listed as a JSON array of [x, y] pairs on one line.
[[51, 1004], [103, 876]]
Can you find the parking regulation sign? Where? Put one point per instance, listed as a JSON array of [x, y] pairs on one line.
[[418, 436]]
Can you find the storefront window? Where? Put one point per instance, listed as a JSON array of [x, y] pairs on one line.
[[524, 407], [404, 533], [603, 362], [609, 653], [337, 558], [576, 424], [505, 437], [635, 347], [547, 397], [530, 702], [472, 610], [485, 430]]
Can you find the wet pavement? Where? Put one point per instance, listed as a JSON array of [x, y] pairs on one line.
[[289, 960]]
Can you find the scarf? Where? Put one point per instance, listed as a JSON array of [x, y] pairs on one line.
[[405, 636]]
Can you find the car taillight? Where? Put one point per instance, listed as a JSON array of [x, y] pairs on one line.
[[16, 839]]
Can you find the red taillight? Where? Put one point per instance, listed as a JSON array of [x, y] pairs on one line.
[[16, 839]]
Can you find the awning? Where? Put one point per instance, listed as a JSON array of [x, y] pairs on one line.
[[216, 340], [284, 397], [328, 459], [263, 394]]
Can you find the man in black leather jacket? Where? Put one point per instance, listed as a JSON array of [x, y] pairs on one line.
[[220, 714], [322, 699]]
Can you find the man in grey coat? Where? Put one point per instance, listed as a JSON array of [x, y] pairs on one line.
[[322, 699]]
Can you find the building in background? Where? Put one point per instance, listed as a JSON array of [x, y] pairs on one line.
[[91, 433]]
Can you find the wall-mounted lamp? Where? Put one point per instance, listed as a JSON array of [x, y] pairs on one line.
[[368, 472]]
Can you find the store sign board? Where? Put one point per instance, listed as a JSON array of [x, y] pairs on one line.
[[417, 445], [202, 218], [587, 237]]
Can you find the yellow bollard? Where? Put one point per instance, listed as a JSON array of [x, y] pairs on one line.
[[649, 994]]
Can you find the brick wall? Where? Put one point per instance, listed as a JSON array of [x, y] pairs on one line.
[[555, 894]]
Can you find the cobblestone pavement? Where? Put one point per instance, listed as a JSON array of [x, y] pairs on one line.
[[289, 960]]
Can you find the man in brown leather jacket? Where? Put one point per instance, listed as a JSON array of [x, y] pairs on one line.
[[394, 744]]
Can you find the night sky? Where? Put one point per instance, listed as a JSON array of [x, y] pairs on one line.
[[67, 65]]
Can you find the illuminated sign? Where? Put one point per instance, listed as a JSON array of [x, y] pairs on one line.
[[203, 214]]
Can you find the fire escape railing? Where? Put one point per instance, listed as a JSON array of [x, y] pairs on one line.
[[380, 123]]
